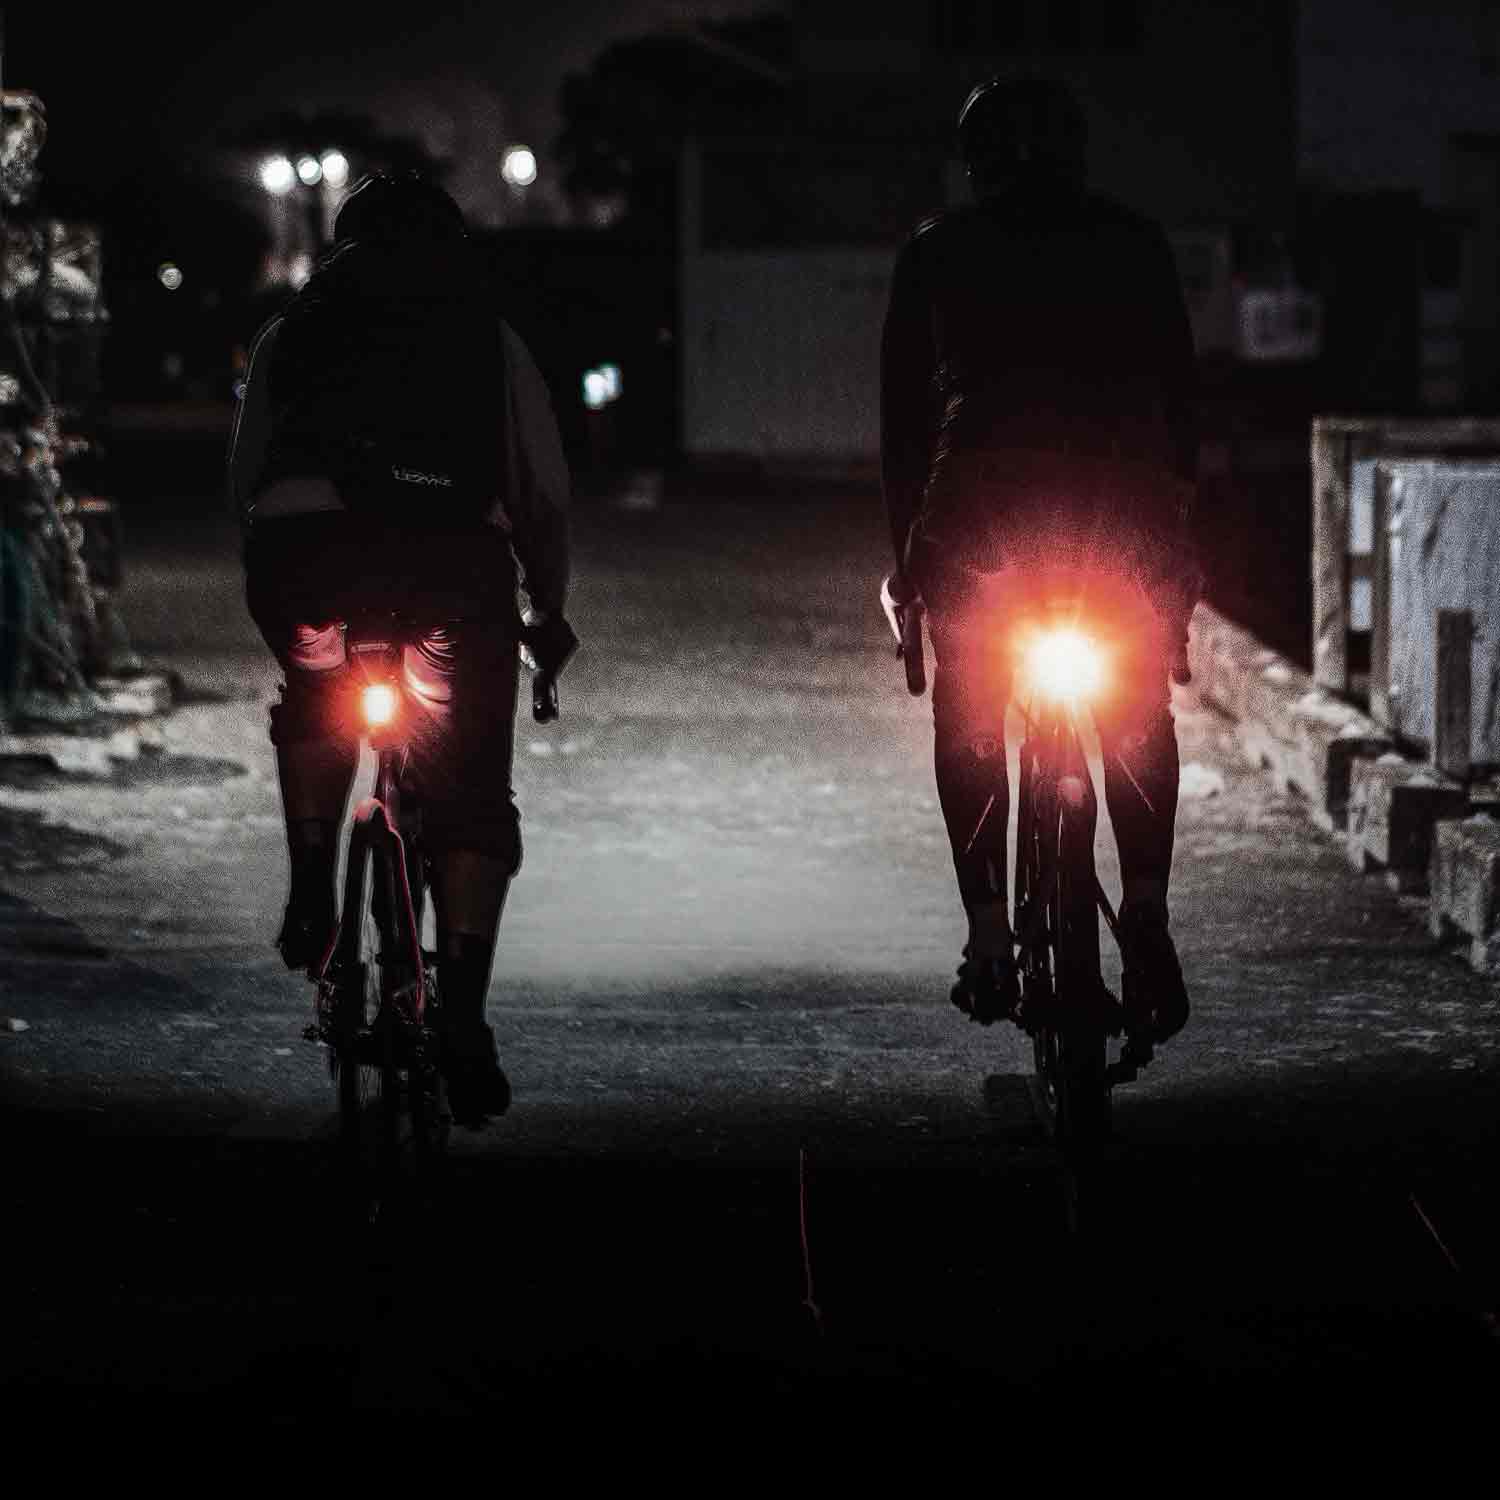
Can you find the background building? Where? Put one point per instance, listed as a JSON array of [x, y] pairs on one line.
[[788, 240]]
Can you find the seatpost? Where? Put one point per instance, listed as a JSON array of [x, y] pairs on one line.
[[388, 783]]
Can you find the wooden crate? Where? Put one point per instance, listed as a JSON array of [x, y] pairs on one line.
[[1345, 451], [1437, 548]]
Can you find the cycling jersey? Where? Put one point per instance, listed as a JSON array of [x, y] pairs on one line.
[[1037, 370], [268, 487]]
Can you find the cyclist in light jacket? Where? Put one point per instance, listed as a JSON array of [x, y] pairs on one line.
[[395, 450]]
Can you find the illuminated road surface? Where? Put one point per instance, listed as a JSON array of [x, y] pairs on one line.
[[731, 944]]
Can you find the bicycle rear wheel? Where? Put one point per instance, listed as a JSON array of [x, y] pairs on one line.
[[1081, 1041], [414, 1120], [1057, 916]]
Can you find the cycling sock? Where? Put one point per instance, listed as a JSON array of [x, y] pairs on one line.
[[989, 931], [464, 962], [313, 846], [1146, 896]]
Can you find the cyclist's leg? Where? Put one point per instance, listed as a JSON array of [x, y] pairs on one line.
[[315, 763], [463, 679], [1141, 773], [294, 573], [970, 692], [969, 760]]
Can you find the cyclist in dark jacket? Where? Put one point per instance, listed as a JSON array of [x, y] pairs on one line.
[[395, 450], [1037, 374]]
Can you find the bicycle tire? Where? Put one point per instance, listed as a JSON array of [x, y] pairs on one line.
[[1031, 926], [409, 1076], [355, 1082], [1082, 1042], [1056, 905], [379, 1085]]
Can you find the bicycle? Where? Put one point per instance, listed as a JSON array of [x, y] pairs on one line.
[[1065, 1009], [377, 1010]]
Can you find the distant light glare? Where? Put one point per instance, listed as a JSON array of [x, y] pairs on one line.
[[519, 166], [299, 269], [335, 168], [611, 374], [277, 175], [310, 170], [169, 275]]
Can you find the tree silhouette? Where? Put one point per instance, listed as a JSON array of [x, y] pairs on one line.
[[626, 118]]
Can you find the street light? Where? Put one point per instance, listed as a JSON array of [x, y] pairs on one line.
[[277, 175], [518, 166], [304, 190]]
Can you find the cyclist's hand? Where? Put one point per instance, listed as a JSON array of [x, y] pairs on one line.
[[547, 643]]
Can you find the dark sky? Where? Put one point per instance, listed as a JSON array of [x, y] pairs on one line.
[[121, 81]]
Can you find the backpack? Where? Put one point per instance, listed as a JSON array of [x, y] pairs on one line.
[[393, 385]]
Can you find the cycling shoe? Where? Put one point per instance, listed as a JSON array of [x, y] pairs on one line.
[[988, 988], [478, 1089], [1155, 995], [304, 937]]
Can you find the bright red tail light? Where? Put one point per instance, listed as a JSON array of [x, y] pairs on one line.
[[379, 704]]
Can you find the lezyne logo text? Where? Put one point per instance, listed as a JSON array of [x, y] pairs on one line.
[[416, 476]]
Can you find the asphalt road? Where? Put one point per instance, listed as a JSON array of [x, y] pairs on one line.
[[758, 1171]]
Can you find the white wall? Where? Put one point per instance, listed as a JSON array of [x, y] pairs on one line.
[[781, 353]]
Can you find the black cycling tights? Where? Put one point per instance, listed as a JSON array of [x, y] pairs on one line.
[[1141, 769]]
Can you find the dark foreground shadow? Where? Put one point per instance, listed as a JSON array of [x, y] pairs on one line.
[[1238, 1267]]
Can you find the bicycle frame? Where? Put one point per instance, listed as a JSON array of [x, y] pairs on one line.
[[398, 1043], [1065, 1006]]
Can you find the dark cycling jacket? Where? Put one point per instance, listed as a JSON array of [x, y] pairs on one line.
[[473, 386], [1036, 349]]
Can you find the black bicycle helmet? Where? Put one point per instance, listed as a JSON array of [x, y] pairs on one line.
[[1023, 127], [390, 207]]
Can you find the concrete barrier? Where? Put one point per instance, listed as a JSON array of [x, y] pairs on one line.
[[1309, 739], [1395, 807], [1421, 831], [1465, 887]]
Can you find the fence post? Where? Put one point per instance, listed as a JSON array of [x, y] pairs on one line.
[[1385, 707], [1331, 445], [1451, 707]]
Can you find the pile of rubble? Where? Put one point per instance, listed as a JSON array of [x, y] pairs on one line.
[[65, 659]]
